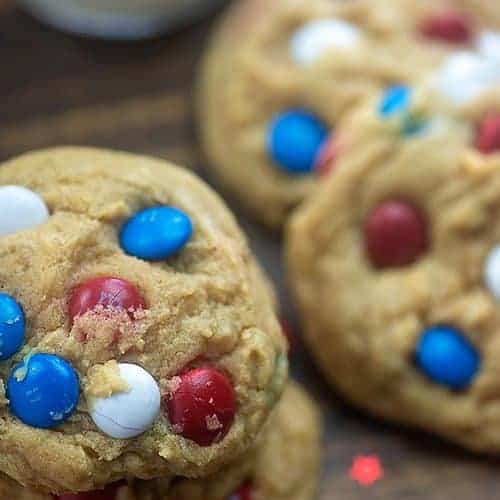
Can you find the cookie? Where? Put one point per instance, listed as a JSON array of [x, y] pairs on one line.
[[284, 465], [277, 80], [138, 334], [401, 243]]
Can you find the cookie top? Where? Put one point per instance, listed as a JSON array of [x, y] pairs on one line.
[[277, 80], [138, 334], [402, 242]]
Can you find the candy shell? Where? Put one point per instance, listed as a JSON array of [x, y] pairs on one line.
[[12, 326], [20, 209], [125, 415]]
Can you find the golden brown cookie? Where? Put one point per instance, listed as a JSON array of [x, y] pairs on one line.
[[138, 334], [279, 77], [395, 266]]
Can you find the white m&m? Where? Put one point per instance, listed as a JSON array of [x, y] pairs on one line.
[[488, 44], [20, 208], [125, 415], [315, 38]]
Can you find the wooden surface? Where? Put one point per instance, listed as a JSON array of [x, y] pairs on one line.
[[56, 89]]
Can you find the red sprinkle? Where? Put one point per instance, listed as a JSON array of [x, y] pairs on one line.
[[488, 134], [244, 492], [108, 493], [328, 156], [450, 27], [107, 292], [366, 470], [395, 234], [202, 405]]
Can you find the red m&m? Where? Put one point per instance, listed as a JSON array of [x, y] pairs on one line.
[[395, 234], [202, 405], [108, 493], [488, 134], [106, 292], [245, 492], [450, 27]]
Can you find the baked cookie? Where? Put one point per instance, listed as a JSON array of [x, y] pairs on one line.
[[279, 77], [284, 465], [401, 244], [138, 336]]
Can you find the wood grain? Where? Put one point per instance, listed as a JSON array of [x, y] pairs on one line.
[[57, 89]]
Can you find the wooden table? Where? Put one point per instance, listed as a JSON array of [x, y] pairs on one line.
[[61, 90]]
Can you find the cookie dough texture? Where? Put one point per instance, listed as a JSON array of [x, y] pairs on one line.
[[363, 323], [210, 302], [283, 466], [248, 76]]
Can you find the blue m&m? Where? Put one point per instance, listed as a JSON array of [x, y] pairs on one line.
[[447, 357], [43, 390], [395, 100], [156, 233], [12, 326], [295, 139]]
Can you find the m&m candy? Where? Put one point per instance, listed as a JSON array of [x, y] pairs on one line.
[[488, 134], [107, 292], [202, 406], [110, 492], [395, 100], [20, 208], [294, 141], [395, 234], [12, 326], [312, 40], [127, 414], [245, 492], [447, 357], [156, 233], [449, 26], [43, 390]]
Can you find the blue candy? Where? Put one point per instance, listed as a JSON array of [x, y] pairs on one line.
[[294, 140], [156, 233], [12, 326], [396, 99], [447, 357], [43, 390]]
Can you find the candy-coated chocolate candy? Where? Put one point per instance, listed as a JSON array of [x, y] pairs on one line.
[[491, 271], [488, 134], [395, 234], [464, 76], [108, 493], [20, 208], [12, 326], [488, 44], [451, 27], [156, 233], [447, 357], [294, 140], [245, 492], [328, 156], [125, 415], [106, 292], [43, 390], [315, 38], [395, 100], [202, 406]]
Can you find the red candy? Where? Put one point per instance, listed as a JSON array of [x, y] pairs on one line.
[[202, 405], [488, 134], [327, 156], [244, 492], [395, 234], [108, 493], [451, 27], [107, 292]]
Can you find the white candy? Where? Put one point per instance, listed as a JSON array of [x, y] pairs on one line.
[[491, 271], [125, 415], [20, 209], [311, 41], [464, 76], [488, 44]]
